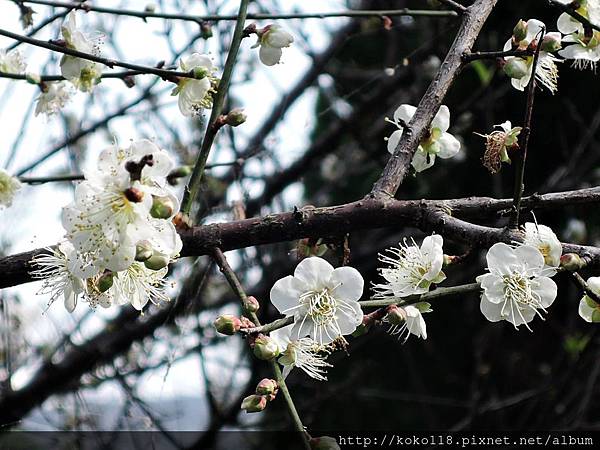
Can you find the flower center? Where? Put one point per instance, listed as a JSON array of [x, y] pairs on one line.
[[321, 305]]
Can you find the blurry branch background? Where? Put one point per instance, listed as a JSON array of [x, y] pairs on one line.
[[314, 136]]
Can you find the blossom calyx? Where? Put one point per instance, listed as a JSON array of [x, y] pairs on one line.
[[105, 281], [265, 348], [516, 68], [520, 31], [396, 315], [551, 43], [254, 403], [227, 324]]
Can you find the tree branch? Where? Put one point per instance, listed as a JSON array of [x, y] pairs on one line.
[[368, 214], [398, 164]]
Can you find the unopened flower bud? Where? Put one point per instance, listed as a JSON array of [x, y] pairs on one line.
[[251, 304], [157, 261], [162, 207], [150, 8], [227, 324], [516, 68], [105, 281], [235, 117], [324, 443], [520, 30], [254, 403], [33, 78], [206, 30], [134, 195], [396, 315], [571, 262], [267, 387], [179, 172], [143, 251], [265, 348], [551, 42]]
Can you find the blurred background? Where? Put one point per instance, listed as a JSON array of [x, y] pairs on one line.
[[314, 135]]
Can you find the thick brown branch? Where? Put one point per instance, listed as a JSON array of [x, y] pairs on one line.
[[397, 166], [428, 215]]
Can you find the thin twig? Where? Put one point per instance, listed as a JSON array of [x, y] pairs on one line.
[[454, 6], [519, 186], [584, 286], [216, 17], [49, 78], [168, 75], [473, 56], [193, 185], [237, 287]]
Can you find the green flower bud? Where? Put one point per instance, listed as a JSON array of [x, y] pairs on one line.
[[105, 281], [251, 304], [227, 324], [206, 30], [162, 207], [551, 43], [267, 387], [516, 68], [235, 117], [571, 262], [157, 261], [520, 30], [254, 403], [143, 251], [324, 443], [265, 348]]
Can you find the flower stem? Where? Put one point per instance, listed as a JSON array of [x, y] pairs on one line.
[[519, 186], [237, 287], [193, 186]]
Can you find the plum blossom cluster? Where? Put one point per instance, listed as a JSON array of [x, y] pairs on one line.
[[518, 286], [527, 36], [438, 142], [120, 237]]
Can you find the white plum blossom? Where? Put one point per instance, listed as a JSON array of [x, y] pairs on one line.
[[589, 310], [137, 285], [412, 269], [303, 353], [409, 320], [584, 47], [515, 289], [195, 94], [83, 73], [12, 61], [271, 40], [520, 68], [437, 142], [497, 144], [53, 98], [120, 234], [55, 268], [544, 239], [9, 186], [322, 300]]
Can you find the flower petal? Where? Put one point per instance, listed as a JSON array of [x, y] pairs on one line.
[[315, 272], [285, 294], [441, 121], [348, 283]]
